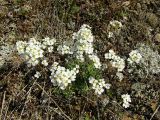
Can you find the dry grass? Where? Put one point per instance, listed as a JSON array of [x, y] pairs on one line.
[[22, 97]]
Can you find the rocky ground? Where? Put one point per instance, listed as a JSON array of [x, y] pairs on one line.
[[23, 98]]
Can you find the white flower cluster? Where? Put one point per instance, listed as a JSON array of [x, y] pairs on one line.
[[116, 61], [84, 41], [60, 76], [134, 57], [120, 76], [114, 26], [110, 34], [63, 49], [31, 50], [48, 43], [44, 62], [84, 44], [21, 45], [98, 85], [37, 75], [95, 60], [126, 100]]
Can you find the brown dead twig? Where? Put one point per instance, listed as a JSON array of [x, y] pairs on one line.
[[3, 103], [155, 112]]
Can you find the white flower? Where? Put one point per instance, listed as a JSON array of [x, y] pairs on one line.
[[50, 49], [98, 85], [31, 50], [115, 24], [34, 51], [52, 41], [134, 56], [45, 63], [80, 57], [26, 57], [110, 55], [62, 77], [84, 33], [37, 75], [107, 86], [54, 67], [33, 62], [76, 69], [83, 46], [83, 42], [114, 27], [120, 76], [95, 60], [126, 100], [116, 61], [126, 104], [119, 64], [112, 52], [110, 34], [32, 41], [20, 45], [48, 42], [63, 49]]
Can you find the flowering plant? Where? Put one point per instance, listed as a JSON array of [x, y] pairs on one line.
[[81, 66]]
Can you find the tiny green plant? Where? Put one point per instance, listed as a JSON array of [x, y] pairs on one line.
[[86, 69]]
